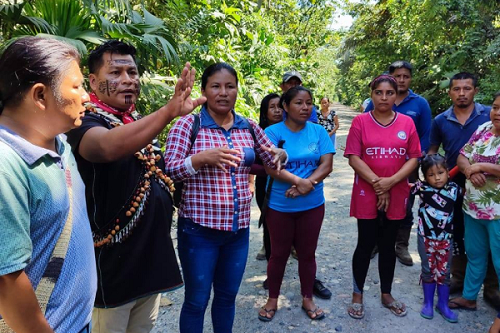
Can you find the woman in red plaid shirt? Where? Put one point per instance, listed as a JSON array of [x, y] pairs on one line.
[[214, 212]]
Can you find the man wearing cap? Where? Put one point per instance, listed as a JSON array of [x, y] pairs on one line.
[[416, 107], [293, 79]]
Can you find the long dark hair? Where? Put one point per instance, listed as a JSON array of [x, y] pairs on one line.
[[264, 106], [31, 60]]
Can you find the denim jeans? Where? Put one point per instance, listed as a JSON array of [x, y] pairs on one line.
[[210, 257]]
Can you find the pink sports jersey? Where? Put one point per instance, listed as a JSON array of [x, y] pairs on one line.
[[385, 149]]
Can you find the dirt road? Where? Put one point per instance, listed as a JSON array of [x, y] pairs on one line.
[[336, 246]]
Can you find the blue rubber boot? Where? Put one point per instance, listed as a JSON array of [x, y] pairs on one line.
[[427, 309], [442, 308]]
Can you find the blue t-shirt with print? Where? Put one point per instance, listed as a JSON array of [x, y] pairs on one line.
[[304, 149]]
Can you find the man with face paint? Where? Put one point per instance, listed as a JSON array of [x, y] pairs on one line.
[[128, 200]]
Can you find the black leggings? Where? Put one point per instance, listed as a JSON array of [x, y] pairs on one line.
[[381, 232]]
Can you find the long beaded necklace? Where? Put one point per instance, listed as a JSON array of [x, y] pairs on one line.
[[118, 230]]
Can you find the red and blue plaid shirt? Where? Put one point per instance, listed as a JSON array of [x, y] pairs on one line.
[[210, 197]]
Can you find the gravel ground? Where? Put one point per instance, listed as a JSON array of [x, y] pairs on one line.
[[336, 246]]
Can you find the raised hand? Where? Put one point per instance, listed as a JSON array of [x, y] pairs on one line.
[[181, 102]]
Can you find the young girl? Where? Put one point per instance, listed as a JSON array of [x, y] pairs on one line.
[[435, 232]]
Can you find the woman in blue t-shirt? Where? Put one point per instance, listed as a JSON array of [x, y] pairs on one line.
[[296, 203]]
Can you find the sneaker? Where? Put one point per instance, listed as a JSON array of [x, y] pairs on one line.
[[320, 290], [262, 254]]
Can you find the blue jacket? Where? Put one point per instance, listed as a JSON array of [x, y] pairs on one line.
[[416, 107]]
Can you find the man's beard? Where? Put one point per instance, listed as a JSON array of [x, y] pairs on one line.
[[463, 105]]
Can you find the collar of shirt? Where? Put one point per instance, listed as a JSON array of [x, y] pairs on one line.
[[411, 95], [478, 110], [208, 122], [29, 152]]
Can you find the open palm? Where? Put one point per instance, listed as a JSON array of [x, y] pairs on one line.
[[181, 102]]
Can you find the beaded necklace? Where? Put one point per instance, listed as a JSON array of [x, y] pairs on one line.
[[118, 230]]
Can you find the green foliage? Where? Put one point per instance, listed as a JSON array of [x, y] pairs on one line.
[[440, 38], [261, 40]]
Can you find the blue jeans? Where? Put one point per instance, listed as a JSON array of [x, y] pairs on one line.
[[210, 257]]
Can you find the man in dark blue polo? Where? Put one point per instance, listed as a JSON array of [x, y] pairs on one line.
[[416, 107], [452, 129]]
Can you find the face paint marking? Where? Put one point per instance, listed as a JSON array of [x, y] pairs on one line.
[[112, 86], [120, 62], [103, 87]]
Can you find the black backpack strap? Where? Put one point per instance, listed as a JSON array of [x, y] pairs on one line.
[[195, 129], [252, 131], [179, 185]]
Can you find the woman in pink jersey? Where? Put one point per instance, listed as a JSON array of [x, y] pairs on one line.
[[383, 147]]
